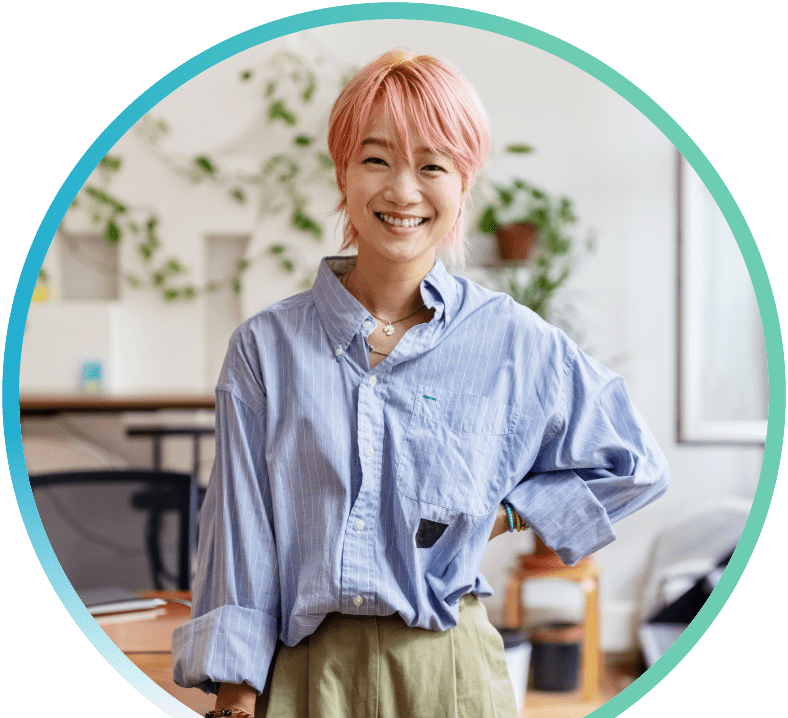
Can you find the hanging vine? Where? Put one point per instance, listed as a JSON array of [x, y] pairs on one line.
[[280, 184]]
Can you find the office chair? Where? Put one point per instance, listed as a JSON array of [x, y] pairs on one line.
[[120, 528]]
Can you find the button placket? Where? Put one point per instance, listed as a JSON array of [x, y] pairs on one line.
[[359, 553]]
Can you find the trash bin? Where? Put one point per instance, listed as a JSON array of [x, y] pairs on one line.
[[517, 651], [555, 657]]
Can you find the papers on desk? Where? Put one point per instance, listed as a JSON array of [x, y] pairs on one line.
[[103, 601]]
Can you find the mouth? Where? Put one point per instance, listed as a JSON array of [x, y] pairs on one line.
[[400, 221]]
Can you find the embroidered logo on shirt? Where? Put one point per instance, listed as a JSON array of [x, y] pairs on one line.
[[431, 398], [429, 532]]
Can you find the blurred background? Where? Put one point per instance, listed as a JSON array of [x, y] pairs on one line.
[[220, 201]]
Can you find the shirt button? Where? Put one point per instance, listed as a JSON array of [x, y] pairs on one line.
[[338, 351], [373, 380], [448, 318], [360, 525], [370, 451], [367, 324], [358, 600]]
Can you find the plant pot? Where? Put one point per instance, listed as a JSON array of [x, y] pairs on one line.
[[515, 241]]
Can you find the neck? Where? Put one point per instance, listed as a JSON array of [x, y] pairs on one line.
[[388, 289]]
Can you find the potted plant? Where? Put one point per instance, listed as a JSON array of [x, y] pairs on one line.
[[552, 254], [532, 225], [522, 216]]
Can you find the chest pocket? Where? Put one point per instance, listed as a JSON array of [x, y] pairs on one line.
[[454, 450]]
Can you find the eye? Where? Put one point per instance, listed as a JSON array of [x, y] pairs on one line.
[[433, 168], [374, 161]]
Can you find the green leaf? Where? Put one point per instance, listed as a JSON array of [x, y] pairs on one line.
[[158, 278], [110, 163], [133, 280], [310, 88], [276, 249], [238, 195], [42, 275], [74, 203], [134, 227], [170, 294], [145, 250], [539, 216], [189, 292], [306, 224], [205, 165], [519, 149], [325, 160], [246, 75], [236, 285], [278, 111], [104, 198], [505, 196], [174, 266], [288, 266], [112, 233], [243, 264], [487, 222], [162, 126], [270, 87], [302, 141], [279, 160]]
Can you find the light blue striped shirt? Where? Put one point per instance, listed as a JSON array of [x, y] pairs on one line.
[[337, 487]]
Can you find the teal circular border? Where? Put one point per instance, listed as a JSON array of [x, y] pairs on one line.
[[398, 11]]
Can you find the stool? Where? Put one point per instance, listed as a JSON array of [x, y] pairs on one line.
[[544, 563]]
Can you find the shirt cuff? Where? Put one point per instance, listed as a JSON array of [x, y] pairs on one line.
[[230, 644], [559, 507]]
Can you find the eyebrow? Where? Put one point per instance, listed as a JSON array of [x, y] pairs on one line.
[[377, 142]]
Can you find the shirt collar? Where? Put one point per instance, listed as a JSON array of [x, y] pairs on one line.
[[342, 315]]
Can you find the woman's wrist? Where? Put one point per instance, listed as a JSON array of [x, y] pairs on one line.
[[515, 521], [235, 697]]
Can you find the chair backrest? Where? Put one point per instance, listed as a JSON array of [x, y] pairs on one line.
[[120, 528], [691, 547]]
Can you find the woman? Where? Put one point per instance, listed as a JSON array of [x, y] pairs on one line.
[[374, 432]]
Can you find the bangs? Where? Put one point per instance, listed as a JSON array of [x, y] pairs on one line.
[[416, 104]]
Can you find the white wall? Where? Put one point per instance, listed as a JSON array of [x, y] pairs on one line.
[[591, 145]]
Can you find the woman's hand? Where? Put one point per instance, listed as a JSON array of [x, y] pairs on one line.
[[501, 524], [233, 695]]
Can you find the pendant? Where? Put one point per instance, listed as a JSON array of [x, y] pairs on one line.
[[388, 330]]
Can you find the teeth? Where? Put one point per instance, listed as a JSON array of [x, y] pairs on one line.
[[397, 222]]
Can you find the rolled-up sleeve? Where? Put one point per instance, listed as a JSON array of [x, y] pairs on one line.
[[235, 620], [597, 463]]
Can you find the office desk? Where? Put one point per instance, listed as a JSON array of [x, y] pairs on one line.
[[145, 638]]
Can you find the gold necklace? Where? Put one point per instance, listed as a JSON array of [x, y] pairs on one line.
[[388, 330], [375, 351]]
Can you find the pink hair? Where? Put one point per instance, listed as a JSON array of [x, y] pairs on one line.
[[443, 107]]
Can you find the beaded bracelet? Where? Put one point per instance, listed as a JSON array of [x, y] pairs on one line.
[[516, 522], [228, 713]]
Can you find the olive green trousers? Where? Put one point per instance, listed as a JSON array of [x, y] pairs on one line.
[[378, 667]]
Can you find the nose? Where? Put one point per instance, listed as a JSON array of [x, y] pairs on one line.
[[403, 188]]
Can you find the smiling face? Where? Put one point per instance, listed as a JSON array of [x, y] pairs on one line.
[[402, 208]]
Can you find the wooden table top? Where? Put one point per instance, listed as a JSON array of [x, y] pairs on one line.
[[145, 637], [35, 404]]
